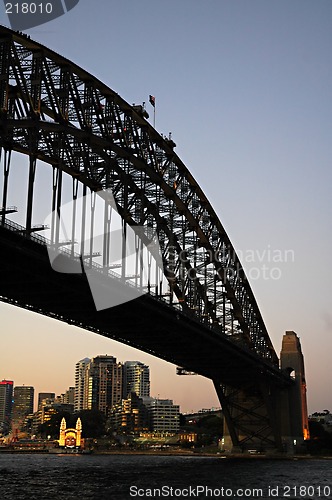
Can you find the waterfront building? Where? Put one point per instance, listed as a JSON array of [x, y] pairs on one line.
[[6, 405], [80, 370], [164, 416], [136, 378], [23, 404], [102, 384], [130, 416]]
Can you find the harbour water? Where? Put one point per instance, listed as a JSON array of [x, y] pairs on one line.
[[46, 476]]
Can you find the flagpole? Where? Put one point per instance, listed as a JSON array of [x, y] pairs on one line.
[[152, 101]]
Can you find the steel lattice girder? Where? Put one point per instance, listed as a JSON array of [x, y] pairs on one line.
[[56, 112], [250, 415]]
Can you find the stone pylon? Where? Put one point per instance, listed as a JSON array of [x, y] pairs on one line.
[[293, 411]]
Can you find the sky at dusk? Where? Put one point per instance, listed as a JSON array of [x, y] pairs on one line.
[[245, 88]]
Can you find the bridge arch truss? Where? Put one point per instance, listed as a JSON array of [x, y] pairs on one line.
[[53, 111]]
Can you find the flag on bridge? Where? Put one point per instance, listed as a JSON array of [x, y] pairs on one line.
[[152, 100]]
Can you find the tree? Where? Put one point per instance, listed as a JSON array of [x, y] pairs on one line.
[[52, 426], [93, 423], [320, 440], [211, 425]]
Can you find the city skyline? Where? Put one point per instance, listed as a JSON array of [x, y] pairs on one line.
[[118, 390], [131, 381], [249, 106]]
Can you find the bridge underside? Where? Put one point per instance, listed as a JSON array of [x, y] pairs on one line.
[[28, 281]]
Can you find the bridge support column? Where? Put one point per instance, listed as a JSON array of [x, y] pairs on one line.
[[293, 400], [267, 417], [230, 437], [249, 418]]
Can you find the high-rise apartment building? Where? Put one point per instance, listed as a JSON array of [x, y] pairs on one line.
[[42, 396], [102, 384], [129, 416], [80, 371], [136, 378], [6, 404], [23, 404], [67, 397]]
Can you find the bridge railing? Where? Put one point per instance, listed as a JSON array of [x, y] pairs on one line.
[[42, 240]]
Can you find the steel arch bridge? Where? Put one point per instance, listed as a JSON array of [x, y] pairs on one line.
[[54, 112]]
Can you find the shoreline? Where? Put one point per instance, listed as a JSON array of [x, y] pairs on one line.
[[235, 456]]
